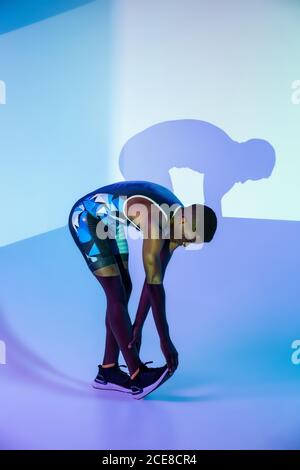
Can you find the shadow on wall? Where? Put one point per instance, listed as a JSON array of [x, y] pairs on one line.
[[16, 14], [200, 146]]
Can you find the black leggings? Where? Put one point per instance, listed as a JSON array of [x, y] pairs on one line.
[[118, 324], [100, 253]]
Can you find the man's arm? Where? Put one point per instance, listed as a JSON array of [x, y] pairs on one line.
[[154, 279], [144, 302], [152, 248]]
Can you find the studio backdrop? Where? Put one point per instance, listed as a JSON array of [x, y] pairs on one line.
[[202, 97]]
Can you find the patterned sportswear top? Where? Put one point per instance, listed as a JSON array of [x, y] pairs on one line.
[[110, 200]]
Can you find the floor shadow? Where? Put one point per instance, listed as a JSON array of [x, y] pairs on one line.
[[180, 398], [27, 366]]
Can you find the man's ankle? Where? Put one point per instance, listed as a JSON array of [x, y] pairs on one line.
[[107, 366], [135, 373]]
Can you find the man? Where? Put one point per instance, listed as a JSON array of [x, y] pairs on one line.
[[97, 223]]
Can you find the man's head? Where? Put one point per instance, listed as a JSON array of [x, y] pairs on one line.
[[256, 160], [196, 223]]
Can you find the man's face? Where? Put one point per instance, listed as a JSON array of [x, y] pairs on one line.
[[183, 233]]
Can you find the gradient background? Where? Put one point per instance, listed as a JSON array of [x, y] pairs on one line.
[[82, 77]]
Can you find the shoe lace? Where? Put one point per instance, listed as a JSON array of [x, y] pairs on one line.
[[119, 367], [147, 362], [143, 364]]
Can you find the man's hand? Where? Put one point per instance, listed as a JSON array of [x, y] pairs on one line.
[[136, 338], [170, 353]]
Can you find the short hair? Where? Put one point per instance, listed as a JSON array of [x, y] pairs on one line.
[[209, 219]]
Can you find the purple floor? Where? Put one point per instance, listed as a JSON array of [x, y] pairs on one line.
[[233, 324]]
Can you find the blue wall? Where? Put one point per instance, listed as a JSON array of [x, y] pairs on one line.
[[55, 125]]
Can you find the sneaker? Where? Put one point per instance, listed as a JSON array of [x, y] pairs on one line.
[[148, 379], [112, 378]]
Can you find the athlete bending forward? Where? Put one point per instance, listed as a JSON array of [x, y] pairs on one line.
[[97, 223]]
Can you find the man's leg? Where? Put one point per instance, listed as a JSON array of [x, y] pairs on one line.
[[119, 249], [121, 253], [125, 275], [118, 320], [112, 350], [99, 254]]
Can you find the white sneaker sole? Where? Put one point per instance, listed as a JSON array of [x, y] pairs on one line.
[[150, 388], [110, 387]]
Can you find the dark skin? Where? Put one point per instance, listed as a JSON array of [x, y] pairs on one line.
[[157, 253], [167, 346]]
